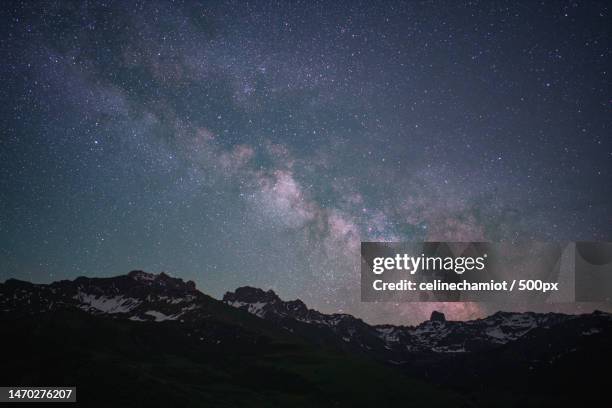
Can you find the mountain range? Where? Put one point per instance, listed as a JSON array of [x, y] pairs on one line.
[[154, 339]]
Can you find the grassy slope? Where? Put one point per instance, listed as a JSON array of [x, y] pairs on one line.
[[121, 363]]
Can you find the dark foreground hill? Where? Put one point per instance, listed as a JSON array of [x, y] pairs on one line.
[[153, 340]]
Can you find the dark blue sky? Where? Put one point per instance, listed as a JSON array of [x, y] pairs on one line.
[[237, 143]]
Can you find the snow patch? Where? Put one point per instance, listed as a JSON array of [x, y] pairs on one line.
[[105, 304], [253, 308], [160, 317]]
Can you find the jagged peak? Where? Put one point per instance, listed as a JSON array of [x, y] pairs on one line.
[[296, 304], [143, 276], [160, 278], [437, 316], [249, 294], [260, 302]]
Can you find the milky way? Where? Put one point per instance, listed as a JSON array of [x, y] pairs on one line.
[[258, 143]]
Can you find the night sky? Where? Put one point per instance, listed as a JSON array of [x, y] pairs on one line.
[[257, 143]]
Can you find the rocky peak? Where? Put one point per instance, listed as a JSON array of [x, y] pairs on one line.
[[296, 306], [142, 276], [265, 303], [161, 280], [247, 294], [437, 316]]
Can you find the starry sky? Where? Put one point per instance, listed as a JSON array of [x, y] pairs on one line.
[[257, 143]]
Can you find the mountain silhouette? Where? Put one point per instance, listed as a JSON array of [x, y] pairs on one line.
[[154, 340]]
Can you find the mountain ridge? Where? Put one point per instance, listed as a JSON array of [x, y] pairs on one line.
[[147, 320], [142, 296]]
